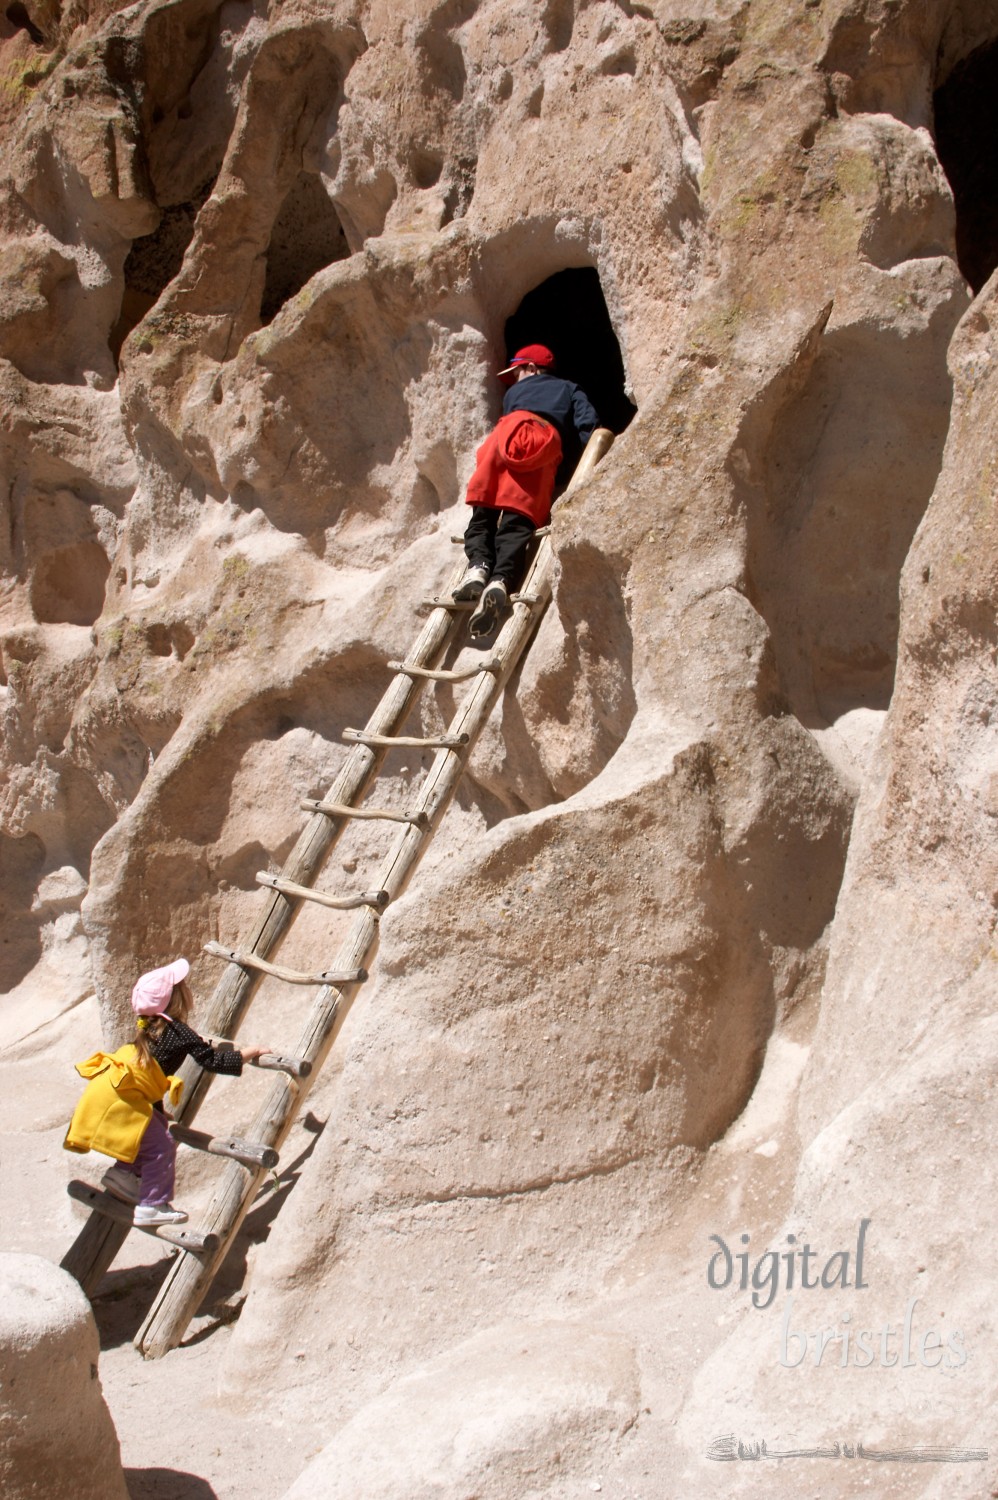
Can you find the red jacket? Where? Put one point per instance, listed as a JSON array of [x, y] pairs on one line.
[[516, 467]]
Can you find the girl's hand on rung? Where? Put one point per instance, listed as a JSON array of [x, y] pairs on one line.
[[250, 1054]]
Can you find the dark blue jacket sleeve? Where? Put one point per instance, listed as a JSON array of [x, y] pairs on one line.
[[584, 415]]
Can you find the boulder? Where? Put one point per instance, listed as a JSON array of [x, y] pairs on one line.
[[57, 1440]]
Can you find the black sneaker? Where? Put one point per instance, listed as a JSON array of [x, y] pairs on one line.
[[472, 584], [491, 607]]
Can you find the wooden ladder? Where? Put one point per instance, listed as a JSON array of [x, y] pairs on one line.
[[250, 1157]]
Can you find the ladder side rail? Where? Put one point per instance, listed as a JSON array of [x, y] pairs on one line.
[[597, 448], [94, 1250], [234, 991], [187, 1283], [471, 717], [181, 1293], [191, 1276]]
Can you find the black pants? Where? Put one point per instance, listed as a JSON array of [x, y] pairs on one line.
[[498, 540]]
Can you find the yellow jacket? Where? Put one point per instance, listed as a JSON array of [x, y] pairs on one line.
[[116, 1105]]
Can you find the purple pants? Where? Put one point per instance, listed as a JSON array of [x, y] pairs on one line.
[[156, 1162]]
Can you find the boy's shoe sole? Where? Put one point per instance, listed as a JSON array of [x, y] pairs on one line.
[[493, 604]]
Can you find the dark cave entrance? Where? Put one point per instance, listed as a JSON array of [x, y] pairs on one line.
[[307, 236], [152, 263], [19, 18], [568, 313], [966, 128]]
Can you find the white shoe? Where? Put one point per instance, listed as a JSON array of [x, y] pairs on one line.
[[471, 584], [122, 1184], [493, 604], [158, 1213]]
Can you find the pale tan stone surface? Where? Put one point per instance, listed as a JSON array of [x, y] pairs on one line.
[[508, 1412], [254, 271], [56, 1434], [899, 1097]]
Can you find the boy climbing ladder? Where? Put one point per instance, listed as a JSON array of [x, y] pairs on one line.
[[545, 425]]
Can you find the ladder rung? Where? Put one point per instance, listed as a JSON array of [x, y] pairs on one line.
[[461, 675], [379, 899], [345, 810], [280, 1062], [437, 742], [250, 1153], [289, 976], [444, 601], [440, 601], [113, 1208]]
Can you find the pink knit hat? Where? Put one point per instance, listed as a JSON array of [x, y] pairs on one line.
[[153, 991]]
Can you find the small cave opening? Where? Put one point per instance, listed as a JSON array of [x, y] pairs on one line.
[[425, 166], [22, 861], [307, 236], [152, 263], [966, 123], [19, 18], [68, 584], [568, 313]]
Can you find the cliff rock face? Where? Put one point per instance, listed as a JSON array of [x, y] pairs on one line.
[[727, 851]]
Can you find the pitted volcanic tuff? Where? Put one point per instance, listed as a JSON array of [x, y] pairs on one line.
[[738, 801]]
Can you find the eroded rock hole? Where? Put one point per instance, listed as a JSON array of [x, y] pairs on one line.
[[426, 167], [842, 475], [620, 63], [169, 640], [457, 199], [21, 863], [67, 584], [443, 63], [152, 263], [307, 236], [559, 23], [18, 17], [568, 313], [966, 123]]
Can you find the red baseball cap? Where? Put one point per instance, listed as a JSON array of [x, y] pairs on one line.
[[530, 354]]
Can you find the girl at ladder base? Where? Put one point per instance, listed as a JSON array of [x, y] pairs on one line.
[[120, 1112]]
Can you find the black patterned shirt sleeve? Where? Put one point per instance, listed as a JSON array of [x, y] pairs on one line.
[[179, 1041]]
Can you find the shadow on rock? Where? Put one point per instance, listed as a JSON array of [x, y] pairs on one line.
[[167, 1484], [122, 1300], [231, 1276]]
